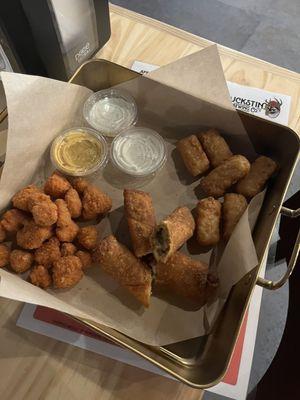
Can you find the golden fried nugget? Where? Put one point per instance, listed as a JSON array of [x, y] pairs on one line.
[[67, 233], [193, 155], [122, 265], [63, 213], [44, 213], [141, 221], [56, 185], [67, 229], [253, 183], [67, 272], [39, 276], [20, 199], [68, 249], [215, 147], [208, 221], [2, 233], [95, 202], [88, 237], [79, 184], [183, 276], [73, 203], [32, 236], [48, 252], [4, 255], [85, 258], [20, 260], [36, 197], [234, 206], [172, 233], [225, 175], [13, 220]]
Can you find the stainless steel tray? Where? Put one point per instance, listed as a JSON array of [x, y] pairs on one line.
[[202, 362]]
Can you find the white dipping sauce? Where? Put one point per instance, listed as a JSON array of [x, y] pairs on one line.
[[139, 151], [109, 114]]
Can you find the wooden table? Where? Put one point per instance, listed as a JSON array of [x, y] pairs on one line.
[[36, 367]]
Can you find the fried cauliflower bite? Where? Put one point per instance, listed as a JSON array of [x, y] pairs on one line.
[[88, 237], [95, 202], [67, 272], [56, 185], [20, 199], [2, 233], [20, 260], [73, 203], [44, 213], [39, 276], [68, 249], [13, 220], [80, 184], [85, 258], [32, 236], [63, 213], [4, 255], [48, 252], [66, 229], [36, 198], [67, 233]]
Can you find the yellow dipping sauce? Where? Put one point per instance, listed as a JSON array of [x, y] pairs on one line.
[[78, 151]]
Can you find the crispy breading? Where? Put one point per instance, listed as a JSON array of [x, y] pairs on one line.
[[215, 147], [68, 249], [73, 203], [39, 276], [88, 237], [67, 272], [140, 215], [20, 199], [85, 258], [208, 221], [253, 183], [32, 236], [2, 233], [4, 255], [95, 202], [225, 175], [44, 213], [79, 184], [13, 220], [20, 260], [234, 206], [48, 252], [193, 155], [56, 185], [183, 276], [122, 265]]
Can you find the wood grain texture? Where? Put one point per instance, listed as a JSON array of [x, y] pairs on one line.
[[137, 37], [37, 367]]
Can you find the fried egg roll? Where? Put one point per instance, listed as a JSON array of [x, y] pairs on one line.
[[253, 183], [131, 273], [140, 215], [172, 233], [234, 206], [208, 221], [183, 276], [225, 175], [193, 155], [215, 147]]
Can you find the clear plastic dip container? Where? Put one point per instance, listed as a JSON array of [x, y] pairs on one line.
[[138, 151], [110, 111], [79, 151]]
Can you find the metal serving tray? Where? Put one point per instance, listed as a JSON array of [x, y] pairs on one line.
[[202, 362]]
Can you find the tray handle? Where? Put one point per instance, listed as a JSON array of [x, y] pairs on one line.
[[273, 285]]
